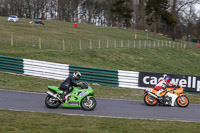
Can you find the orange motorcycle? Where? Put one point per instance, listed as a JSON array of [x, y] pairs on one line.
[[168, 97]]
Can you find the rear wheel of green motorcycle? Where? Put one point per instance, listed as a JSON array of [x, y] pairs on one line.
[[52, 102], [88, 105]]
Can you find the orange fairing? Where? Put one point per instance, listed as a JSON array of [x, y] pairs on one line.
[[176, 91], [163, 93], [151, 90], [154, 91], [179, 90]]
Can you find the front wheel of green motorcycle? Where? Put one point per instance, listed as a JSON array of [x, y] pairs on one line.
[[88, 104], [52, 102]]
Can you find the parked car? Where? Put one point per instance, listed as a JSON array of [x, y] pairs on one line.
[[13, 18]]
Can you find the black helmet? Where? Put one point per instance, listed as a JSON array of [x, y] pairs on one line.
[[77, 75]]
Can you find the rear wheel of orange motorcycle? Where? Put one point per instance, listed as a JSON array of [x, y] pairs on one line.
[[182, 101], [150, 100]]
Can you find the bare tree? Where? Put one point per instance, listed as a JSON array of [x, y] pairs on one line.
[[183, 11]]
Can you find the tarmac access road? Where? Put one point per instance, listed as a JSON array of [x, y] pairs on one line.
[[116, 108]]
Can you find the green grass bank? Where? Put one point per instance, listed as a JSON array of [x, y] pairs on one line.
[[21, 122]]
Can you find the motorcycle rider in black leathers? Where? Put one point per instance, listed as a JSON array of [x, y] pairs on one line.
[[67, 85]]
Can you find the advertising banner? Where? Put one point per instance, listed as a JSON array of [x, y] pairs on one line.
[[189, 83]]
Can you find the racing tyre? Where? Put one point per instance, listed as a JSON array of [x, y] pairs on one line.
[[182, 101], [52, 102], [88, 105], [150, 100]]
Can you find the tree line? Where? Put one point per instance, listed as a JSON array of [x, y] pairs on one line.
[[175, 18]]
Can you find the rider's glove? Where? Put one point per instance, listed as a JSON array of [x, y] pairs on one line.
[[176, 85], [80, 86]]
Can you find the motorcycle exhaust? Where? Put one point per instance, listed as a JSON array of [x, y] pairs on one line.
[[50, 93]]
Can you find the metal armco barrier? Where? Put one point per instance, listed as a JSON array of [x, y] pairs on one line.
[[109, 77], [58, 71], [10, 64], [45, 69], [128, 79]]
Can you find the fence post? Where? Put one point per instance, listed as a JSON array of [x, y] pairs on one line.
[[80, 44], [90, 44], [11, 40], [128, 43], [40, 43], [139, 43], [47, 41], [99, 44], [149, 43], [63, 42], [56, 42]]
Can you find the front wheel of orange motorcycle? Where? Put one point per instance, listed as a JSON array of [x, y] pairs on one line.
[[182, 101], [150, 100]]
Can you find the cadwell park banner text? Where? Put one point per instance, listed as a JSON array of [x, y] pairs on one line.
[[189, 83]]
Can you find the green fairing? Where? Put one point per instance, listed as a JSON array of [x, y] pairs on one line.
[[76, 95], [54, 89]]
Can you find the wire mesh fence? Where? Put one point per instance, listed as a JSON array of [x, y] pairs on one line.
[[66, 44]]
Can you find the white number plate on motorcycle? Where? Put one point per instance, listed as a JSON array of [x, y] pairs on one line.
[[149, 89]]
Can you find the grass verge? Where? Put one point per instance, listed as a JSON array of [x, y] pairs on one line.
[[32, 122]]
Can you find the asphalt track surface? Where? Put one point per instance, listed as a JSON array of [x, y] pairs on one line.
[[117, 108]]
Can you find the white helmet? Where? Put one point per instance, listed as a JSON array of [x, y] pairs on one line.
[[77, 75]]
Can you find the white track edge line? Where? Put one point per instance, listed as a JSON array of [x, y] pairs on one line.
[[98, 116]]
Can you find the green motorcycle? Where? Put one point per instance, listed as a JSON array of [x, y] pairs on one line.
[[78, 97]]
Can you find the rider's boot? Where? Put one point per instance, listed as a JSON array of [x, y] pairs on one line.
[[67, 97], [62, 97], [61, 100], [158, 93]]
